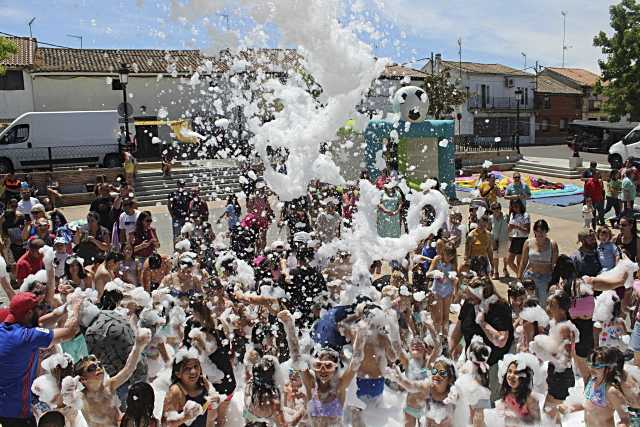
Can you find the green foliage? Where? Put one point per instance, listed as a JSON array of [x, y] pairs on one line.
[[444, 96], [7, 48], [621, 70]]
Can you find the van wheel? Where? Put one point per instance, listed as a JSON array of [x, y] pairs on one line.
[[112, 161], [6, 166], [615, 161]]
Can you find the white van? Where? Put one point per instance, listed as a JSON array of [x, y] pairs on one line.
[[39, 140], [627, 148]]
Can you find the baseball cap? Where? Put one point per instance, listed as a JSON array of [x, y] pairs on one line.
[[4, 312], [60, 241], [24, 185], [20, 305]]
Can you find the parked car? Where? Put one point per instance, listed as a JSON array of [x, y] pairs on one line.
[[596, 136], [627, 148], [39, 140]]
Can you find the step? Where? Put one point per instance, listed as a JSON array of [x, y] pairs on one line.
[[547, 172], [187, 173], [541, 165], [234, 188]]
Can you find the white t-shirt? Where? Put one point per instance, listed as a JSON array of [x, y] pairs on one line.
[[128, 222], [24, 206], [587, 212], [520, 220]]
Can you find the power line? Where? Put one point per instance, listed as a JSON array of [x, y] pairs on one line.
[[39, 42]]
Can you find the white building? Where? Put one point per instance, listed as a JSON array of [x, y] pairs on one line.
[[395, 76], [491, 107]]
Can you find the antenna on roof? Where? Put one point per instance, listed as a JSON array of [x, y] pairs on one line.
[[29, 24], [564, 34], [76, 37], [460, 59]]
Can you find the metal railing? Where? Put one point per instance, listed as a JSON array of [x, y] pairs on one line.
[[473, 143], [499, 103]]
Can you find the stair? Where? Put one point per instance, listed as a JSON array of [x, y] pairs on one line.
[[547, 169], [151, 188]]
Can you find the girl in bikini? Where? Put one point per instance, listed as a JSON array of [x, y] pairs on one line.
[[440, 394], [325, 387], [603, 393], [520, 406]]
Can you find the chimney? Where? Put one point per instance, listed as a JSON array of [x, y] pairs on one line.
[[438, 62]]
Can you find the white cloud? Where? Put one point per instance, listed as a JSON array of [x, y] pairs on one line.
[[505, 28]]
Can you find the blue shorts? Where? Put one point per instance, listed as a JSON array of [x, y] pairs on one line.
[[369, 387]]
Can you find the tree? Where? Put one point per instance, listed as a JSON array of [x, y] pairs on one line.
[[620, 82], [7, 48], [444, 96]]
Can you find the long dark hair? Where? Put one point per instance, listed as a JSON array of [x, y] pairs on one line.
[[67, 267], [233, 200], [614, 359], [142, 217], [565, 269], [263, 386], [524, 387], [563, 300], [140, 403], [517, 202], [177, 367]]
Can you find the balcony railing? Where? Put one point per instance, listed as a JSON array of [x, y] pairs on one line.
[[499, 103]]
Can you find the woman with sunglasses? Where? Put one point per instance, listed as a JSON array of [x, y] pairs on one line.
[[603, 392], [187, 280], [93, 241], [325, 387], [440, 394], [144, 238]]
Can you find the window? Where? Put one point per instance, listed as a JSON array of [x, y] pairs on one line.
[[563, 124], [578, 103], [18, 134], [545, 125], [547, 102], [12, 80], [632, 138]]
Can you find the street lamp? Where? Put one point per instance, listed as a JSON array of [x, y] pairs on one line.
[[124, 79], [518, 100]]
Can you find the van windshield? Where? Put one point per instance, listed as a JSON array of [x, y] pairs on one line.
[[16, 135], [632, 138]]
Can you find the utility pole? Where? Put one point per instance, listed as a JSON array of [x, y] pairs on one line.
[[460, 60], [564, 35], [525, 60], [432, 65], [31, 22]]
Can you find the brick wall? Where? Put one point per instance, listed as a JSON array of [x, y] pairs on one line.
[[75, 179], [554, 114]]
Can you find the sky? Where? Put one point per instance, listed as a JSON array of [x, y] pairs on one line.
[[492, 31]]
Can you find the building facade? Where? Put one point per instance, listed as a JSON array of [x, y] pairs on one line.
[[585, 82], [493, 110], [556, 105]]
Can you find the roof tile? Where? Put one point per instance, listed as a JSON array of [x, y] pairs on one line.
[[25, 55], [478, 68], [579, 75], [547, 84]]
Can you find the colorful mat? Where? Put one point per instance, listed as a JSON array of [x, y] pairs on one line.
[[540, 188]]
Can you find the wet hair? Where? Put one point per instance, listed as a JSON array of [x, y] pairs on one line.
[[177, 367], [487, 285], [525, 385], [515, 290], [480, 352], [140, 404], [263, 386], [110, 300], [52, 419], [614, 359], [113, 256], [155, 261], [451, 371], [74, 261], [80, 365], [530, 303], [563, 300], [140, 222], [541, 225], [565, 269]]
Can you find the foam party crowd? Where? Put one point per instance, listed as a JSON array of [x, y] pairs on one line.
[[385, 302]]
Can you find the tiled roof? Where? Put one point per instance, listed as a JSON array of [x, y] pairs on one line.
[[579, 75], [266, 60], [395, 71], [547, 84], [109, 60], [25, 55], [477, 68]]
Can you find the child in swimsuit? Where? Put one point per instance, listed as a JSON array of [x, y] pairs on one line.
[[519, 404], [445, 286]]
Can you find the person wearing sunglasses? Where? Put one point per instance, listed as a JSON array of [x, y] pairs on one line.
[[100, 408], [438, 391], [325, 387], [603, 392], [518, 190]]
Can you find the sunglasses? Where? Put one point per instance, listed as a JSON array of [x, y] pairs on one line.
[[516, 177], [324, 365], [93, 367], [148, 221], [436, 371]]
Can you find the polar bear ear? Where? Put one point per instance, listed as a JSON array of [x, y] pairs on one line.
[[404, 98], [419, 93]]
